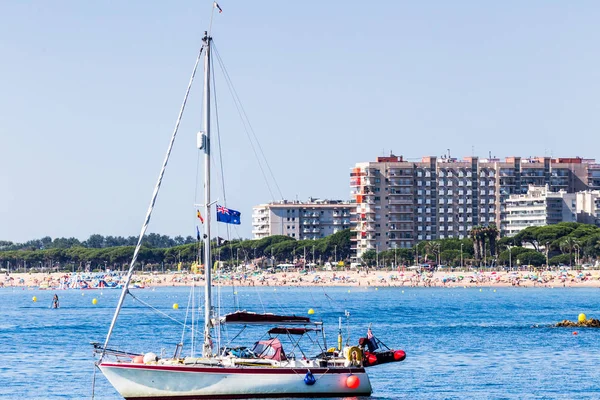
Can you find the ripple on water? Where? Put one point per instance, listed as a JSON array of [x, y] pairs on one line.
[[459, 343]]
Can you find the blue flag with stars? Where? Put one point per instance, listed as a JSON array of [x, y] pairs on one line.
[[228, 215]]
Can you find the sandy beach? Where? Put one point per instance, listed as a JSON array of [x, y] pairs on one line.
[[399, 278]]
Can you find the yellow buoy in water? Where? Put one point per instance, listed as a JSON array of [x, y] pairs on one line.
[[82, 293], [403, 291], [376, 288], [311, 311], [175, 306], [34, 299], [94, 301], [480, 290], [348, 290], [494, 290], [580, 318]]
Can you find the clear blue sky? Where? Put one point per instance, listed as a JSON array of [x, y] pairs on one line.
[[90, 90]]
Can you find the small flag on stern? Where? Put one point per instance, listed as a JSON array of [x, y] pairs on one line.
[[217, 7], [228, 215], [200, 217]]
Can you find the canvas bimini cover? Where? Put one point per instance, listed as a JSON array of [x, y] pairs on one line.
[[245, 317]]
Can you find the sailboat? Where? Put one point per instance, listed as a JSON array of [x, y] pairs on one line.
[[264, 370]]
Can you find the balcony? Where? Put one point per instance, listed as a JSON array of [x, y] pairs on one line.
[[400, 201], [400, 182], [400, 210]]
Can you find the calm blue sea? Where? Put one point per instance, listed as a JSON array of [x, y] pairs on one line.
[[460, 343]]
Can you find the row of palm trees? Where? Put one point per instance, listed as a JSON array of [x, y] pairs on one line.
[[481, 235], [571, 245]]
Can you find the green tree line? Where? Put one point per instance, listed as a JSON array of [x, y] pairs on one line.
[[567, 243], [95, 241], [100, 252]]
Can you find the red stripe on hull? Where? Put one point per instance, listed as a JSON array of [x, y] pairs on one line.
[[255, 396], [240, 370]]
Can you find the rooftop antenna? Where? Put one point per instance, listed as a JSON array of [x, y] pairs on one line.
[[448, 153], [473, 151]]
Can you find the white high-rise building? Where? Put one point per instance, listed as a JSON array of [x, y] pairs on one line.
[[400, 203], [588, 207], [538, 207], [313, 219]]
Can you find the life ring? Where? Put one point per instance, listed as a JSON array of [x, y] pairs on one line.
[[354, 355]]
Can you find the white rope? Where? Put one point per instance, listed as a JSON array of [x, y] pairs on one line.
[[187, 310], [150, 208], [248, 129], [156, 310]]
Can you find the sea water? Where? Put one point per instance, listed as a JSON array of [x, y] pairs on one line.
[[473, 343]]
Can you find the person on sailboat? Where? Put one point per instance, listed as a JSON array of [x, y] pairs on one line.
[[55, 301]]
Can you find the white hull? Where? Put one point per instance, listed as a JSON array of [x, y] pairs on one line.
[[140, 381]]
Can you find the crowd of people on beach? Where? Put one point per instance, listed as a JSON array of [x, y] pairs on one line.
[[361, 277]]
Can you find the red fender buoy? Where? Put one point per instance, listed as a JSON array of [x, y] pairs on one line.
[[399, 355], [352, 381], [370, 358]]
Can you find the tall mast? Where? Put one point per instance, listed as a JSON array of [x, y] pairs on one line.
[[207, 348]]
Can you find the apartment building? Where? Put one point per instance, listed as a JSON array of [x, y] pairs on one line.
[[538, 207], [400, 202], [313, 219], [588, 207]]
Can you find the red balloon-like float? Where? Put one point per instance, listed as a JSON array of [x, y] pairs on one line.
[[352, 381]]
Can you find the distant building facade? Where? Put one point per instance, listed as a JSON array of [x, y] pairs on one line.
[[400, 203], [538, 207], [588, 207], [313, 219]]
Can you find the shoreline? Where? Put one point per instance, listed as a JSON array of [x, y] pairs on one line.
[[402, 279]]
